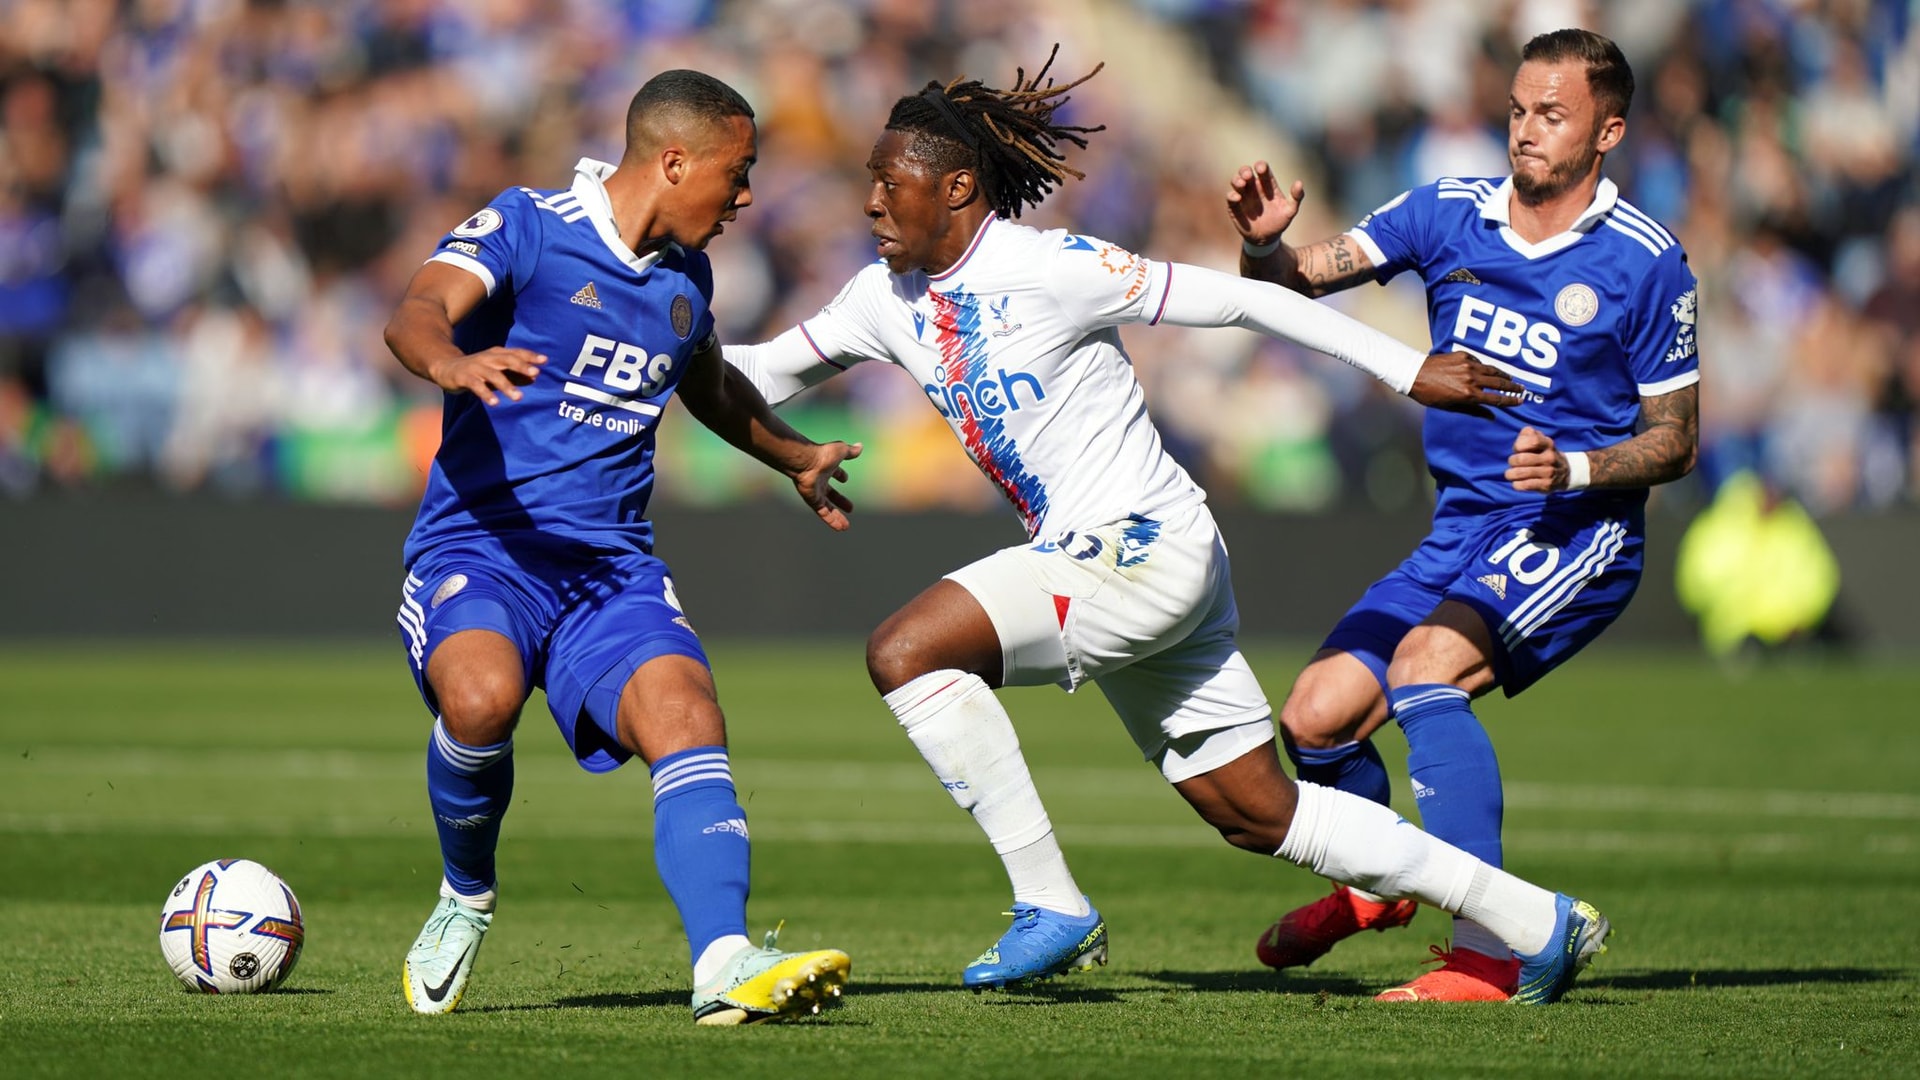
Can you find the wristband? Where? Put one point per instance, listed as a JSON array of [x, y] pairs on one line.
[[1259, 251], [1579, 471]]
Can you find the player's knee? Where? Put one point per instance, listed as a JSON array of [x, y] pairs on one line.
[[1316, 718], [480, 709], [671, 725], [895, 657]]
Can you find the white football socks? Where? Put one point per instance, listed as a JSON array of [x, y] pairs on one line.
[[482, 903], [715, 956], [959, 727], [1363, 844], [1470, 935]]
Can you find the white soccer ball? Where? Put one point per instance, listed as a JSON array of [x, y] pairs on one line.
[[231, 927]]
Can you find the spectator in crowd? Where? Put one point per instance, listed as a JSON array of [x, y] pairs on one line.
[[205, 208]]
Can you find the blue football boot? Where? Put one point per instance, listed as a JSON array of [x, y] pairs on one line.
[[1039, 945], [1579, 934]]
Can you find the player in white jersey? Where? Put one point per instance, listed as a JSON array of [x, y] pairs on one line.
[[1538, 526], [1013, 335]]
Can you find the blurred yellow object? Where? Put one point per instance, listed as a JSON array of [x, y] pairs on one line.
[[1754, 566]]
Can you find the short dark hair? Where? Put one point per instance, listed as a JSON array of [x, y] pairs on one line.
[[1608, 76], [689, 93], [1007, 137]]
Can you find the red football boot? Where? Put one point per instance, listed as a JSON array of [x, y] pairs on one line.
[[1305, 934], [1463, 975]]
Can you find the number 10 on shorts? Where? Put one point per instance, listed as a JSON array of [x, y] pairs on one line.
[[1527, 560]]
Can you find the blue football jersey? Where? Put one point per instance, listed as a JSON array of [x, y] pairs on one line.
[[571, 462], [1589, 322]]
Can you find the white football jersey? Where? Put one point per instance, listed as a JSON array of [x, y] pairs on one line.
[[1017, 346]]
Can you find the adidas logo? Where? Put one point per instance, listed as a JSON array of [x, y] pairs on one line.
[[471, 821], [1420, 790], [590, 297], [731, 825], [1462, 275], [1496, 582]]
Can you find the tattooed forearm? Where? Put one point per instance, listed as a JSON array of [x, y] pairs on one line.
[[1663, 449], [1343, 261], [1332, 265], [1314, 270]]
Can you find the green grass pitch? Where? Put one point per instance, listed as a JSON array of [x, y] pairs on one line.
[[1756, 841]]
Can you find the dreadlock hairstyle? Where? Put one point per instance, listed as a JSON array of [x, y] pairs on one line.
[[1006, 136]]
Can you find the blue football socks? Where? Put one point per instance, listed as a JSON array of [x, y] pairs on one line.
[[1353, 767], [469, 788], [700, 843], [1456, 777]]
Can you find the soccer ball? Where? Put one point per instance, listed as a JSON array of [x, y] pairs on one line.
[[231, 927]]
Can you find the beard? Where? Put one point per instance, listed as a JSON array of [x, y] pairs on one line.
[[1561, 177]]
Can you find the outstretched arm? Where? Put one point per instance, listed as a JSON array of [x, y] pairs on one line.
[[420, 334], [1261, 212], [1200, 297], [784, 366], [725, 400], [1662, 450]]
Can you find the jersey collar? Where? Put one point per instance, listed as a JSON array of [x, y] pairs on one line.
[[1497, 208], [972, 246], [590, 184]]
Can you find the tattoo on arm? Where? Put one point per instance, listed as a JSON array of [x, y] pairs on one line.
[[1314, 270], [1332, 265], [1343, 256], [1661, 451]]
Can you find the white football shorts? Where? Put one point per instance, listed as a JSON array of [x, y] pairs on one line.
[[1144, 609]]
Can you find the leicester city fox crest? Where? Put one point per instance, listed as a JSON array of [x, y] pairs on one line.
[[682, 315], [1576, 305]]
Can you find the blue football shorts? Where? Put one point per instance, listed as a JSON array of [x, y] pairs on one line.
[[1546, 579], [582, 626]]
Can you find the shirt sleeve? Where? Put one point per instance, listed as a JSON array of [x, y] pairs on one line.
[[841, 335], [1202, 297], [1662, 349], [1099, 284], [1394, 235], [847, 330], [498, 245]]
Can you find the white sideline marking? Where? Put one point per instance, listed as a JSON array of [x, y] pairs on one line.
[[1110, 784], [954, 833]]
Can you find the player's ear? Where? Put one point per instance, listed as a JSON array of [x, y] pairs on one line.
[[674, 161], [962, 188], [1612, 130]]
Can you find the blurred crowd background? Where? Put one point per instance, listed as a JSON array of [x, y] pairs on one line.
[[209, 207]]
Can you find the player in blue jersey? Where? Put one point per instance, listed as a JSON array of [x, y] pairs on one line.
[[1551, 276], [1124, 582], [559, 322]]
